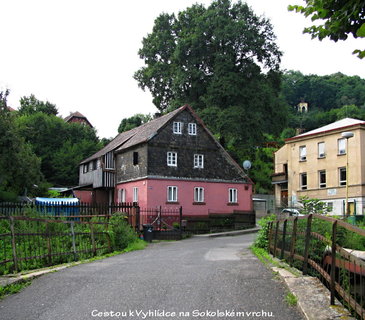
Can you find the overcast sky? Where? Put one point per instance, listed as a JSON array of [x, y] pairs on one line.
[[81, 54]]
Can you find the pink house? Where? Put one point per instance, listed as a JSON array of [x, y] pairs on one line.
[[171, 161]]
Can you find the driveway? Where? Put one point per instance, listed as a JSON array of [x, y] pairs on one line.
[[214, 278]]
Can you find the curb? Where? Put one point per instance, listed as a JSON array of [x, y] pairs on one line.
[[227, 234], [313, 297]]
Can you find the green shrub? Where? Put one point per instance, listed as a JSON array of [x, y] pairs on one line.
[[121, 233], [262, 240]]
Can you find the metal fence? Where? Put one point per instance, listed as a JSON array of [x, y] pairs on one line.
[[327, 248]]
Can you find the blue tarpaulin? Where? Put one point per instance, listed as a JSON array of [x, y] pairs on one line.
[[58, 206]]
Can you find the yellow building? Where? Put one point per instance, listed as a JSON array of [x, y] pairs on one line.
[[314, 164]]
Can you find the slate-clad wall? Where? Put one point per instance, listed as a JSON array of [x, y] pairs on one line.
[[124, 164], [216, 165]]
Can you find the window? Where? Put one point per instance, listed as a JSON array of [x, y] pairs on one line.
[[172, 159], [177, 127], [329, 206], [322, 178], [302, 153], [341, 146], [342, 176], [321, 150], [172, 194], [85, 168], [121, 197], [232, 195], [192, 129], [303, 181], [198, 194], [135, 194], [135, 158], [198, 161]]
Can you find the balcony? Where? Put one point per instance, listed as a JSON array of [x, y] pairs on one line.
[[279, 178]]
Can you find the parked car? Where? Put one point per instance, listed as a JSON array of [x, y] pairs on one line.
[[291, 212]]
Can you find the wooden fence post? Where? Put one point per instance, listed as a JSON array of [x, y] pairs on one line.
[[73, 240], [333, 264], [91, 227], [293, 240], [13, 243], [269, 236], [307, 243], [276, 237], [49, 247], [283, 240]]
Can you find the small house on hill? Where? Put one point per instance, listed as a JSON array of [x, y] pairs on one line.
[[172, 160], [77, 117]]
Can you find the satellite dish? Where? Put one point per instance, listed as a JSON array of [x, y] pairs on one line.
[[246, 164]]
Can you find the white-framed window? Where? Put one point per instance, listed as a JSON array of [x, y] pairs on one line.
[[177, 127], [135, 194], [302, 153], [198, 194], [171, 194], [121, 196], [342, 176], [321, 150], [192, 129], [85, 168], [198, 161], [341, 146], [172, 159], [232, 195], [303, 181], [322, 178]]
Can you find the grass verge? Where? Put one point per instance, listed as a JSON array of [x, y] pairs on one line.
[[13, 288], [291, 299]]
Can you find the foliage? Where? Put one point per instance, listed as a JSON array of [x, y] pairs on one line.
[[213, 59], [291, 299], [323, 92], [13, 288], [262, 239], [339, 18], [30, 105], [121, 232], [60, 153], [312, 206], [133, 122], [19, 166]]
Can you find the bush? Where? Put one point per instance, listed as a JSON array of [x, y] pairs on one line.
[[262, 240], [121, 233]]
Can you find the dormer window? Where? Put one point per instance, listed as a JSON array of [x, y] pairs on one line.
[[192, 129], [177, 127]]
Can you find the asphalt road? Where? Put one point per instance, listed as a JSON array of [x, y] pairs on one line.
[[215, 278]]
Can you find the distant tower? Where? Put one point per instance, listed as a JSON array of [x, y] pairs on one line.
[[302, 107]]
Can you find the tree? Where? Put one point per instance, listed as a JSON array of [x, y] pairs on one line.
[[133, 122], [224, 62], [341, 18], [30, 105], [19, 166], [61, 146]]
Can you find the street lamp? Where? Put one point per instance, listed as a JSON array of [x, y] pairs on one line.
[[347, 135]]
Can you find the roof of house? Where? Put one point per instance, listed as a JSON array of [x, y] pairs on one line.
[[340, 124], [136, 135], [74, 114], [77, 115]]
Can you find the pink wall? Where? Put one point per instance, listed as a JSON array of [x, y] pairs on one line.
[[153, 193]]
